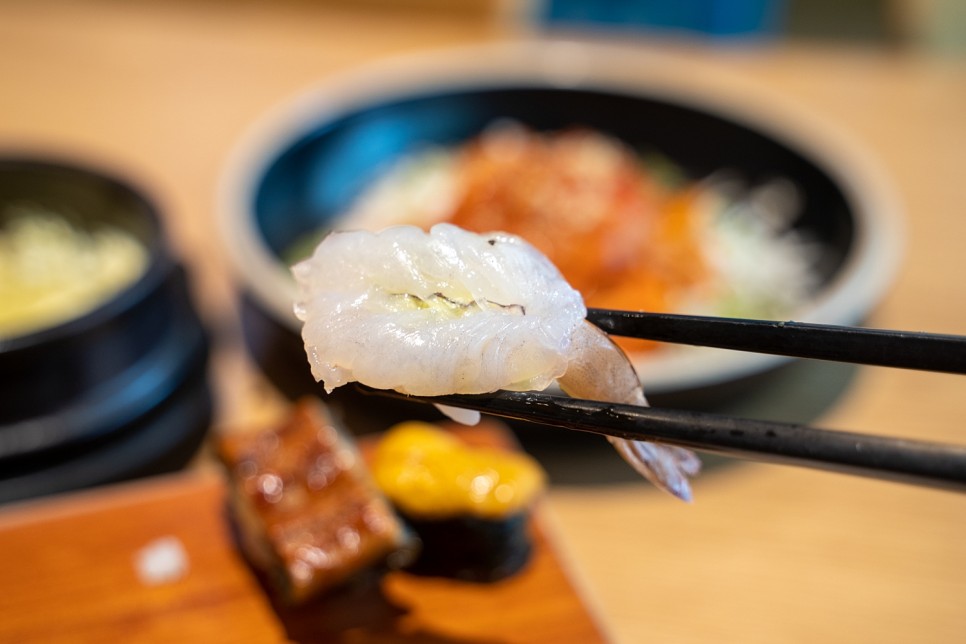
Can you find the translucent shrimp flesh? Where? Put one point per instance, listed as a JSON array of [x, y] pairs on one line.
[[453, 312]]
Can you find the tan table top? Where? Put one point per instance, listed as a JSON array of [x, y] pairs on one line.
[[162, 91]]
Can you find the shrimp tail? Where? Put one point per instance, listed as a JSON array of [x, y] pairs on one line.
[[666, 466], [600, 370]]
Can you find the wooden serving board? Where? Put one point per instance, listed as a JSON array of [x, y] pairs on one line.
[[69, 575]]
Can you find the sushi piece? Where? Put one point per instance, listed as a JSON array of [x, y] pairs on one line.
[[308, 513], [453, 312], [469, 506], [434, 314]]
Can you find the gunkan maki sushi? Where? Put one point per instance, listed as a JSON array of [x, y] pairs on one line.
[[468, 505]]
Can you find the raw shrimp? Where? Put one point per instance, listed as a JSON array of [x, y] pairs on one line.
[[453, 312], [599, 370]]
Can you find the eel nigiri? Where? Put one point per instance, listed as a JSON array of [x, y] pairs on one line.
[[447, 311], [307, 510]]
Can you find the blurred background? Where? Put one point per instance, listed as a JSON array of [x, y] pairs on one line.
[[161, 92], [935, 25]]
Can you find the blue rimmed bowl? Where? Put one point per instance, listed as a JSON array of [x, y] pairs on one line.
[[300, 167]]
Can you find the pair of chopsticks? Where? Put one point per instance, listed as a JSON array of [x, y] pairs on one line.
[[911, 461]]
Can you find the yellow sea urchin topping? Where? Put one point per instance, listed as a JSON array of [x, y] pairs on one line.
[[428, 472]]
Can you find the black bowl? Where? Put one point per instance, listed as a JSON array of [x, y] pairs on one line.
[[119, 391], [302, 166]]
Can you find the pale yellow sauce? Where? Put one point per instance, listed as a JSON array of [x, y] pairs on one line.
[[52, 272]]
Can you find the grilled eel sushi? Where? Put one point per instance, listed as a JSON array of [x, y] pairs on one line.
[[306, 508]]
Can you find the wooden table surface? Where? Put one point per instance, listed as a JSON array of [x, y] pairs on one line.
[[162, 91], [91, 580]]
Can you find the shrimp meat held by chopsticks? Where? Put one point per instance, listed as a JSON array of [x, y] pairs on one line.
[[453, 312]]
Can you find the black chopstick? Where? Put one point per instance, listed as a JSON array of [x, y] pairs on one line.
[[910, 461], [856, 345]]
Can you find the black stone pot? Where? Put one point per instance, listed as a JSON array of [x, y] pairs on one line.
[[120, 391]]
